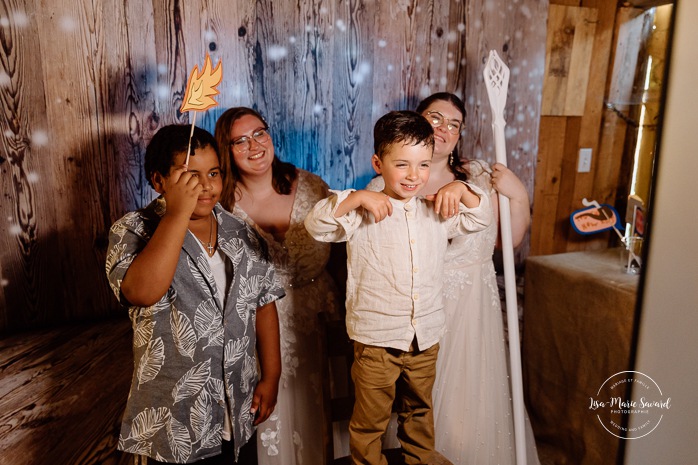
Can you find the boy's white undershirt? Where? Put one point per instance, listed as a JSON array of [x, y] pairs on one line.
[[221, 274]]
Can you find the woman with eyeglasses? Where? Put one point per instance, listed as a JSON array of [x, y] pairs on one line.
[[472, 401], [274, 197]]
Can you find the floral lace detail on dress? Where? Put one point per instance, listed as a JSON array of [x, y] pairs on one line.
[[489, 279], [298, 442], [454, 283], [270, 437]]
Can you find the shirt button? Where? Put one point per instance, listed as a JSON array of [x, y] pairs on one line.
[[414, 322], [415, 297], [414, 270], [409, 215], [408, 207], [412, 241]]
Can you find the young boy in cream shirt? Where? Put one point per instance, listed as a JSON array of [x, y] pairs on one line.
[[396, 243]]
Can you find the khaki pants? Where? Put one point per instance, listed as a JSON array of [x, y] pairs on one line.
[[381, 376]]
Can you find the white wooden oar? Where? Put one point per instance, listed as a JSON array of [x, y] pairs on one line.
[[496, 76]]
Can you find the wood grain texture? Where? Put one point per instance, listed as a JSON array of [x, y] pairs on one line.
[[133, 99], [569, 47], [515, 32], [28, 230], [547, 185], [591, 122], [564, 234], [626, 49], [352, 123], [90, 82], [63, 392], [597, 129], [296, 88], [609, 176]]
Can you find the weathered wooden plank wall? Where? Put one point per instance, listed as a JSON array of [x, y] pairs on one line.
[[85, 84], [522, 46], [559, 188]]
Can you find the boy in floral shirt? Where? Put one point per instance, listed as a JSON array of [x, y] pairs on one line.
[[201, 297]]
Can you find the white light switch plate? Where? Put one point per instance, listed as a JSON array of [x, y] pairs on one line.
[[584, 162]]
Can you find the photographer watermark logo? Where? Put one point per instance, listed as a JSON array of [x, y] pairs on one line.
[[646, 412]]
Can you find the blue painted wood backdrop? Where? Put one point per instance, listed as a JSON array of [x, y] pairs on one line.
[[85, 84]]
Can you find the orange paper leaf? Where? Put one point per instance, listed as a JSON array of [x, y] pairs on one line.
[[202, 87]]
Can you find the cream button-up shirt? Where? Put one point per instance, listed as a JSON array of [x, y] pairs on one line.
[[395, 266]]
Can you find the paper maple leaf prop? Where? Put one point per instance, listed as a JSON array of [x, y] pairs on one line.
[[201, 89]]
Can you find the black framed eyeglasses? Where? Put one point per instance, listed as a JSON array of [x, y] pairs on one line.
[[437, 119], [244, 143]]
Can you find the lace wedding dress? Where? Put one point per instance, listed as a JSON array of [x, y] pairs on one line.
[[293, 433], [472, 398]]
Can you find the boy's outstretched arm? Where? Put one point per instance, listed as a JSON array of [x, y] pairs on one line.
[[334, 218], [151, 272], [269, 352]]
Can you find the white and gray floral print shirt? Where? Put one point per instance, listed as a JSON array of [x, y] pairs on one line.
[[192, 355]]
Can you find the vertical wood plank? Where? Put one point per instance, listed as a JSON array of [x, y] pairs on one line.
[[132, 117], [312, 101], [172, 65], [569, 50], [590, 130], [415, 53], [293, 78], [72, 36], [626, 48], [456, 58], [29, 293], [391, 61], [547, 184], [352, 142], [515, 32], [209, 28], [613, 135], [562, 239], [224, 29]]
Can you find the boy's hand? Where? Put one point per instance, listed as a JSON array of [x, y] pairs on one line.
[[264, 400], [447, 200], [182, 189], [376, 203]]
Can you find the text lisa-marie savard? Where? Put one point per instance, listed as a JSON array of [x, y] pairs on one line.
[[633, 406]]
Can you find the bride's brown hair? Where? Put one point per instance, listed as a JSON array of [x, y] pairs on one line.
[[283, 173], [455, 164]]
